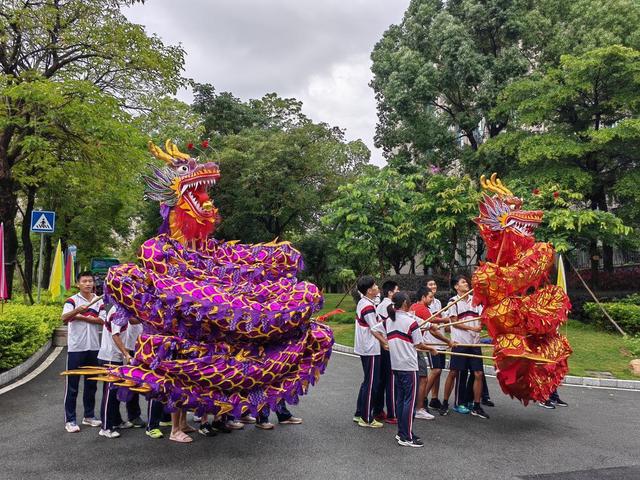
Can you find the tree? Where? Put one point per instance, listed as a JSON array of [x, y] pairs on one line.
[[438, 74], [372, 218], [274, 182], [578, 124], [446, 207], [57, 44]]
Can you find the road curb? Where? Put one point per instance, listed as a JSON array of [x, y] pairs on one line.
[[568, 380], [16, 372]]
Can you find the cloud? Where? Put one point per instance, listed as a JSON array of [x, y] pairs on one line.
[[315, 51]]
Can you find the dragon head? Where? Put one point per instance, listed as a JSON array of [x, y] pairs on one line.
[[181, 188], [502, 216]]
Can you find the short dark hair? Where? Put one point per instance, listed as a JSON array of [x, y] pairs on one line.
[[365, 283], [388, 287], [86, 273], [457, 278], [430, 279], [422, 291]]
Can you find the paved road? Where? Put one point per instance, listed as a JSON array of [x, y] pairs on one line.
[[598, 437]]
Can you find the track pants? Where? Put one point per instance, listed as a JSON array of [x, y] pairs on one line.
[[76, 360], [386, 388], [369, 386], [406, 393], [110, 405]]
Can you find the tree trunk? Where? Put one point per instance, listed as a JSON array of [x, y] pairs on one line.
[[595, 264], [26, 237], [454, 247], [607, 258], [48, 257], [8, 210]]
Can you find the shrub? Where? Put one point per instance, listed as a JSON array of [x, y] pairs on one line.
[[23, 330], [633, 345], [633, 299], [626, 315]]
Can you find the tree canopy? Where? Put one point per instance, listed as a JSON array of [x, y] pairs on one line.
[[69, 71]]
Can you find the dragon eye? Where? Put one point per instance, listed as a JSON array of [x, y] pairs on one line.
[[183, 169], [513, 207]]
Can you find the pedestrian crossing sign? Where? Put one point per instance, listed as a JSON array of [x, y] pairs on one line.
[[43, 222]]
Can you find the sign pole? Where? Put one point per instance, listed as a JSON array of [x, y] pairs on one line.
[[40, 266]]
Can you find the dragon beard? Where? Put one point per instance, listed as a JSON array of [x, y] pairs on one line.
[[185, 226]]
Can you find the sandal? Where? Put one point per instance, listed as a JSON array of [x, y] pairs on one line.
[[188, 429], [180, 437]]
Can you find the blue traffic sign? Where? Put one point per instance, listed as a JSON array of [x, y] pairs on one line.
[[43, 222]]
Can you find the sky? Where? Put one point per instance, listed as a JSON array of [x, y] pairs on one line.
[[317, 51]]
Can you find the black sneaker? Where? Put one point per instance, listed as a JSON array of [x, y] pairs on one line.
[[548, 405], [488, 403], [220, 426], [435, 404], [138, 422], [444, 409], [477, 411], [411, 443], [559, 403], [206, 430]]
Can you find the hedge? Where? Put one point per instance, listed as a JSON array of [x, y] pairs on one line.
[[23, 330], [627, 315]]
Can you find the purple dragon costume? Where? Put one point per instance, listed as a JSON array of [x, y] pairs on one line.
[[227, 326]]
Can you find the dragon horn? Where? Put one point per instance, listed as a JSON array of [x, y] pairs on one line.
[[172, 149], [495, 185], [159, 154], [503, 187]]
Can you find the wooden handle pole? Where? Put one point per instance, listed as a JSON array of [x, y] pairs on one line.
[[466, 320], [471, 355], [462, 297], [98, 298]]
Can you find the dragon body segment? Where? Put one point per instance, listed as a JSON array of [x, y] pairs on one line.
[[227, 326], [522, 311]]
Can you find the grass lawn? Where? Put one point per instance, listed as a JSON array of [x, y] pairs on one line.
[[593, 349]]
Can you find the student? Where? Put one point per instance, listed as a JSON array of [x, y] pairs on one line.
[[112, 351], [436, 362], [553, 401], [285, 417], [83, 342], [180, 428], [367, 345], [403, 335], [466, 378], [465, 333], [421, 309], [389, 288], [134, 330], [155, 416]]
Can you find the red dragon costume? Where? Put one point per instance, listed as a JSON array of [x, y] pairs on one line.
[[522, 310]]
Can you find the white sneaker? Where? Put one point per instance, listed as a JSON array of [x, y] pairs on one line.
[[424, 415], [71, 427], [235, 425], [108, 433], [92, 422], [124, 425], [247, 419]]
